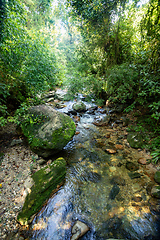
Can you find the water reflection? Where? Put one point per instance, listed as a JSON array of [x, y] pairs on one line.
[[98, 191]]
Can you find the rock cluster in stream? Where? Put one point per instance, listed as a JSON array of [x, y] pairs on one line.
[[19, 163]]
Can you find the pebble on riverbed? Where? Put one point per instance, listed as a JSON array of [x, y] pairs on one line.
[[78, 230]]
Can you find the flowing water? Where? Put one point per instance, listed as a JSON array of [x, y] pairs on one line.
[[98, 190]]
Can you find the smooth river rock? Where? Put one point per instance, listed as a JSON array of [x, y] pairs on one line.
[[78, 230]]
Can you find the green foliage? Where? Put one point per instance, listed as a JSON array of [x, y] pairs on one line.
[[121, 83], [156, 156], [27, 62], [155, 149], [130, 108], [155, 143], [150, 26], [3, 121], [21, 114], [155, 108]]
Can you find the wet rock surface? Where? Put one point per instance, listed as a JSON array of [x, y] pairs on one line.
[[113, 193], [118, 180], [78, 230], [131, 211], [79, 106], [42, 183]]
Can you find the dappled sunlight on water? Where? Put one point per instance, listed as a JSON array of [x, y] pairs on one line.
[[98, 190]]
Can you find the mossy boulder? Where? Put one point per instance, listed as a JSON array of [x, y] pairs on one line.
[[135, 140], [46, 182], [157, 177], [79, 107], [47, 130]]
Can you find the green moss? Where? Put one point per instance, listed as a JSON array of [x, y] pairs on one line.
[[55, 141], [157, 177], [79, 106], [46, 181], [135, 139]]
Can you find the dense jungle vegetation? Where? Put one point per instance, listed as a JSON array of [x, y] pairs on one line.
[[110, 48]]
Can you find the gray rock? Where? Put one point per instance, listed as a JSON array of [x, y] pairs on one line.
[[51, 94], [60, 94], [16, 142], [79, 107], [47, 130], [78, 230], [103, 122], [49, 99]]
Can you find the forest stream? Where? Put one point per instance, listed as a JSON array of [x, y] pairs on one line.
[[97, 168], [107, 185]]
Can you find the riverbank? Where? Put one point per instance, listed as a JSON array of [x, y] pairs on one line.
[[18, 162]]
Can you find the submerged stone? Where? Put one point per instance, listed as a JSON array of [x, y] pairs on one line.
[[137, 198], [46, 182], [155, 205], [131, 166], [118, 180], [47, 130], [93, 177], [114, 192], [134, 175]]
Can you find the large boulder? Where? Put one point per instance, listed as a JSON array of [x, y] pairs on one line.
[[45, 182], [47, 130]]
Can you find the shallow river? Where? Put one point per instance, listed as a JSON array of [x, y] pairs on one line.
[[99, 190]]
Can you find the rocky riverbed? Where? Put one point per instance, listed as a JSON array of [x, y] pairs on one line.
[[18, 163]]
